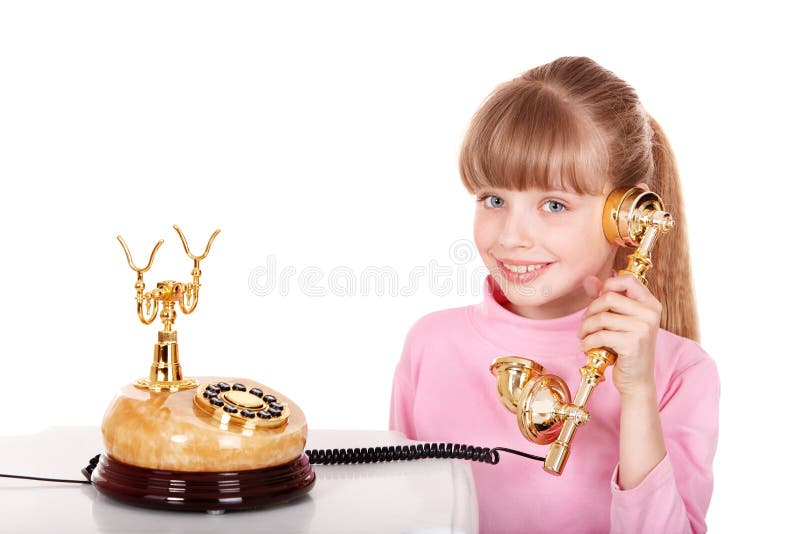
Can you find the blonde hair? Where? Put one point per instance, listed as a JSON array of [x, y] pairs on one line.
[[571, 124]]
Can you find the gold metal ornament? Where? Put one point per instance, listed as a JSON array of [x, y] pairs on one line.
[[165, 371], [632, 217]]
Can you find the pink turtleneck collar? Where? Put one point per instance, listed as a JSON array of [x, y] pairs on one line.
[[520, 335]]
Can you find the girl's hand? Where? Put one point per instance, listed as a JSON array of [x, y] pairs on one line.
[[624, 317]]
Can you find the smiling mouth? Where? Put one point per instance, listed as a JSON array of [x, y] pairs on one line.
[[520, 269], [522, 274]]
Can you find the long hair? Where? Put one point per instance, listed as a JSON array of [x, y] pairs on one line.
[[572, 124]]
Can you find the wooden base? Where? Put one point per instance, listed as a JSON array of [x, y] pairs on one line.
[[208, 492]]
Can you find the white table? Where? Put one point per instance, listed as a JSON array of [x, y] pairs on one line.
[[421, 496]]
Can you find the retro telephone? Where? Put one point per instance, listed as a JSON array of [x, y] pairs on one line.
[[208, 443], [632, 217]]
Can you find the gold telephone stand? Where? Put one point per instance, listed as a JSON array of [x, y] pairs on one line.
[[206, 443], [545, 412]]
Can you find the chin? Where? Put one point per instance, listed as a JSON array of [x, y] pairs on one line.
[[541, 294], [531, 294]]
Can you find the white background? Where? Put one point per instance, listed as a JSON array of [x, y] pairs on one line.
[[323, 137]]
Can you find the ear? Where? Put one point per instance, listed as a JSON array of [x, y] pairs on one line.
[[642, 185]]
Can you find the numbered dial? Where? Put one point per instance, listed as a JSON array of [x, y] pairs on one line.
[[246, 406]]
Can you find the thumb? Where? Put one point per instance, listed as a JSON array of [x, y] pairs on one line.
[[592, 285]]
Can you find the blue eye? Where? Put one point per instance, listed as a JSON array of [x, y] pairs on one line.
[[555, 204], [492, 201]]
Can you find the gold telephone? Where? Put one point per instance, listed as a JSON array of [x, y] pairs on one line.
[[632, 217], [211, 443]]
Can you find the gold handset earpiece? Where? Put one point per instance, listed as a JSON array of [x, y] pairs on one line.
[[632, 217]]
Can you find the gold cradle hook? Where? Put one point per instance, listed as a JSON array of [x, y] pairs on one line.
[[191, 293], [632, 217], [165, 371]]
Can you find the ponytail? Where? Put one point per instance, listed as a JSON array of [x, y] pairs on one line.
[[671, 280]]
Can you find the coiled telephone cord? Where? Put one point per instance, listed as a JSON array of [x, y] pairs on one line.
[[362, 455], [411, 452]]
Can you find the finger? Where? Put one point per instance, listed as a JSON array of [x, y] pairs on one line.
[[617, 303], [629, 285], [604, 338], [607, 321]]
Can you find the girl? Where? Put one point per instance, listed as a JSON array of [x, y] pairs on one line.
[[541, 154]]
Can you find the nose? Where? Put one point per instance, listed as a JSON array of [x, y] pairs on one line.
[[517, 232]]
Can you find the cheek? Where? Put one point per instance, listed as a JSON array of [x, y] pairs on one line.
[[579, 240], [483, 233], [598, 247]]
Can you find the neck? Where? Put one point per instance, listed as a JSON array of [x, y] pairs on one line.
[[567, 305]]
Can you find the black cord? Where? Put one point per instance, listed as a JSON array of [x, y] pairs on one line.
[[46, 479], [359, 456], [411, 452], [87, 472]]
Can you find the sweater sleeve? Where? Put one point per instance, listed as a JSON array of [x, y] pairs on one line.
[[675, 495], [401, 410]]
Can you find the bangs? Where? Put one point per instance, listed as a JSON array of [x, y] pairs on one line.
[[527, 135]]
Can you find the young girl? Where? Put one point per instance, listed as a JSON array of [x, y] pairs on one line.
[[541, 155]]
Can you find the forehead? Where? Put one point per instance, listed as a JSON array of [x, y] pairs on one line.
[[527, 134]]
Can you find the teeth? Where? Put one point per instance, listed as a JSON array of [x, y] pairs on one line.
[[523, 268]]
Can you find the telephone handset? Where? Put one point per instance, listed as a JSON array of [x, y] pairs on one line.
[[632, 217], [207, 443]]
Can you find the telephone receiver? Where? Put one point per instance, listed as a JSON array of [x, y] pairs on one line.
[[546, 413], [211, 443]]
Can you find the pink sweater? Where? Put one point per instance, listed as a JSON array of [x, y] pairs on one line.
[[443, 391]]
